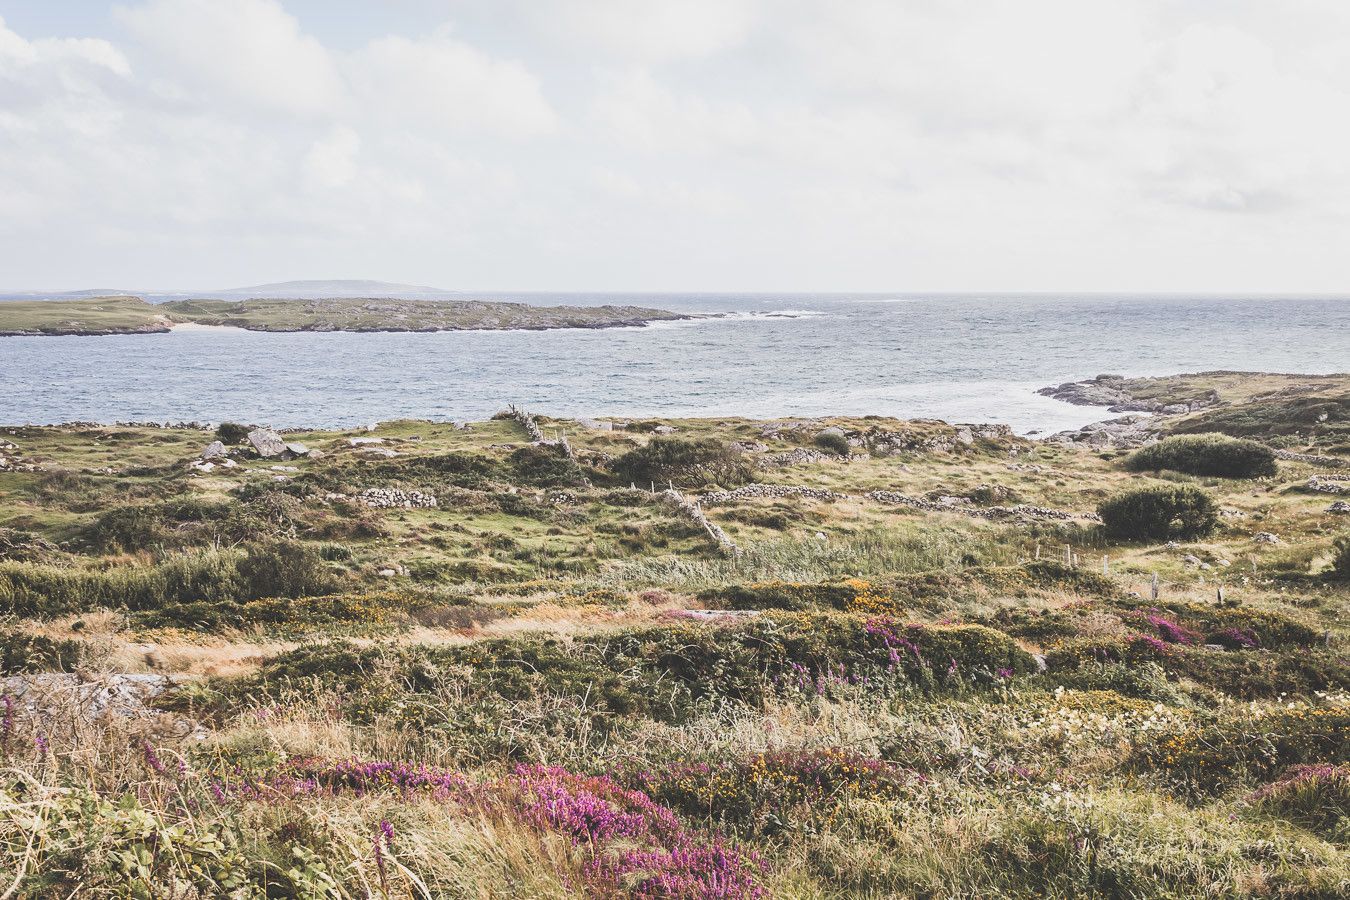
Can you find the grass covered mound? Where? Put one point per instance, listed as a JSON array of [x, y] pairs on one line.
[[1205, 454]]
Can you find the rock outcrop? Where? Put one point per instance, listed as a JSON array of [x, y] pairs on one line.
[[1124, 433], [1112, 392]]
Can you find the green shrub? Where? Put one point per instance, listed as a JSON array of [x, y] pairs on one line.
[[1340, 560], [22, 652], [1205, 454], [1159, 513], [284, 569], [127, 529], [1210, 757], [833, 442], [232, 433], [684, 463], [782, 595], [546, 466], [666, 672]]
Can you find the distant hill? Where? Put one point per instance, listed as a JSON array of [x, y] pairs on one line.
[[318, 289], [315, 289]]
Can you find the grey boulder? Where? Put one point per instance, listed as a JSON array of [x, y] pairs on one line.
[[267, 442]]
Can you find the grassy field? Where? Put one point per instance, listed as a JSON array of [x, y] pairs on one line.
[[131, 315], [102, 315], [923, 671]]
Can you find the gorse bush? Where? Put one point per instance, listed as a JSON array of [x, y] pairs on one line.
[[1205, 454], [1258, 745], [684, 463], [1159, 514], [22, 652], [232, 433], [666, 673], [545, 466], [832, 442], [1340, 559], [284, 569]]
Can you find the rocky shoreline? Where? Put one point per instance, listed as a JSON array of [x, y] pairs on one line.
[[1111, 391]]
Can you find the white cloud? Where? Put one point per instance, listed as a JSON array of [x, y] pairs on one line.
[[331, 161], [250, 52], [445, 84], [803, 144], [650, 31]]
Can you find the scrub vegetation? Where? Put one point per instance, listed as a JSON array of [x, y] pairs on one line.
[[919, 666]]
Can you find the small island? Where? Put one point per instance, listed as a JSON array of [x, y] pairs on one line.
[[133, 315]]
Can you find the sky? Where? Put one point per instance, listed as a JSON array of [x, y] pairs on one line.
[[690, 145]]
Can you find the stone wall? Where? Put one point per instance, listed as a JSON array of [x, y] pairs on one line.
[[395, 498]]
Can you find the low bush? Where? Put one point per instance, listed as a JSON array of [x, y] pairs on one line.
[[284, 569], [1205, 454], [1315, 797], [21, 652], [229, 433], [666, 673], [1340, 558], [782, 595], [127, 529], [545, 466], [684, 463], [1251, 747], [833, 442], [1159, 514], [1236, 628], [774, 791]]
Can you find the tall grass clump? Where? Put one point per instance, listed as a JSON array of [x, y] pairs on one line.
[[1205, 454], [1159, 513], [870, 552]]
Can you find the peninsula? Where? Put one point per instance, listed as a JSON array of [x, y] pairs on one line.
[[133, 315]]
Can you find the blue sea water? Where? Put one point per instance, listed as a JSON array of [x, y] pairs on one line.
[[961, 358]]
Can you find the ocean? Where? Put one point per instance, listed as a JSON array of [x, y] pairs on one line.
[[962, 358]]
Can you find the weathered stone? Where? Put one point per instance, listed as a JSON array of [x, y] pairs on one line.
[[1265, 537], [297, 449], [214, 450], [267, 442]]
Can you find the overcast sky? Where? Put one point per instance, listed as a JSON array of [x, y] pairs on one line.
[[776, 145]]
